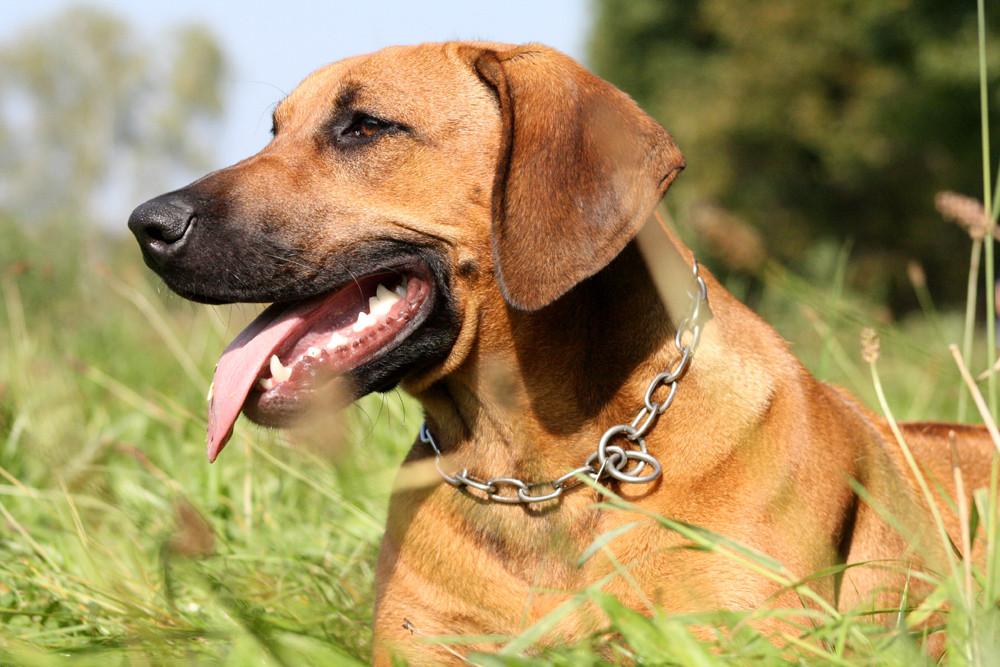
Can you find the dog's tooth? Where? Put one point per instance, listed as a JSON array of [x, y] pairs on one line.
[[279, 372], [364, 321], [373, 303], [267, 384], [383, 302], [400, 289], [335, 341], [211, 392]]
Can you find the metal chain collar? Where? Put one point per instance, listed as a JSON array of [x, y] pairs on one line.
[[609, 459]]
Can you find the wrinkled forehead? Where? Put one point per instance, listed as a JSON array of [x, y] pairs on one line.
[[400, 82]]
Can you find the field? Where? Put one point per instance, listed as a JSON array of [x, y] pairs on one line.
[[121, 545]]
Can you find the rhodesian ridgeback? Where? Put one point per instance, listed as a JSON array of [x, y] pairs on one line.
[[461, 219]]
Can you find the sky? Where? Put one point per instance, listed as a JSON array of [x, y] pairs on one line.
[[273, 46]]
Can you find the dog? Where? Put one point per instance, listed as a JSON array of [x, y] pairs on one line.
[[469, 221]]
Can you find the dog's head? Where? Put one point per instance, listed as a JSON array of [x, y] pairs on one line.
[[394, 181]]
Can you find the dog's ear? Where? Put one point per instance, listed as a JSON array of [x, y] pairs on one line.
[[581, 167]]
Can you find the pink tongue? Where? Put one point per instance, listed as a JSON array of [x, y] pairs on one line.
[[240, 366]]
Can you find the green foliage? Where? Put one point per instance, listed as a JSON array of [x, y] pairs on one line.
[[816, 120], [87, 106]]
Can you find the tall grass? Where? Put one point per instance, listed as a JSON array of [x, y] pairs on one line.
[[118, 542]]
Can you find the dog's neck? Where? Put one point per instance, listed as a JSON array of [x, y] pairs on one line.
[[537, 407]]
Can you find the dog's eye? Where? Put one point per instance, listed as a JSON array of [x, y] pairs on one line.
[[365, 126]]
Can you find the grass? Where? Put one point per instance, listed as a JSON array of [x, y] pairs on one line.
[[119, 542]]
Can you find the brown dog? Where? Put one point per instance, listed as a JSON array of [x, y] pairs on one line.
[[461, 218]]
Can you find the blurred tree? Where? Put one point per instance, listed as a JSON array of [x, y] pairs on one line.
[[815, 120], [89, 110]]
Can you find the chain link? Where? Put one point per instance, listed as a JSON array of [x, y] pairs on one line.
[[615, 460]]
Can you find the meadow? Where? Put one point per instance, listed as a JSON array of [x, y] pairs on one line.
[[121, 545]]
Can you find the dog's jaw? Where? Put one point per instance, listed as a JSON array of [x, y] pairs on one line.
[[293, 355]]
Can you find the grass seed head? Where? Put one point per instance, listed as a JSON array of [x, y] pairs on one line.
[[871, 345], [915, 271], [967, 211]]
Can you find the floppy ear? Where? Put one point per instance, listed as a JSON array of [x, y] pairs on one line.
[[581, 168]]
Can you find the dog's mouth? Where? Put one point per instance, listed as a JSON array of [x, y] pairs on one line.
[[294, 352]]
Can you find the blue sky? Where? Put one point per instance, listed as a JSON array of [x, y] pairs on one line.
[[272, 46]]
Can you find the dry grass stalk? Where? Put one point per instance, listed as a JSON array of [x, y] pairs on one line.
[[985, 374], [193, 536], [728, 237]]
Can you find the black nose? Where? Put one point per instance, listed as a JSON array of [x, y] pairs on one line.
[[161, 225]]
